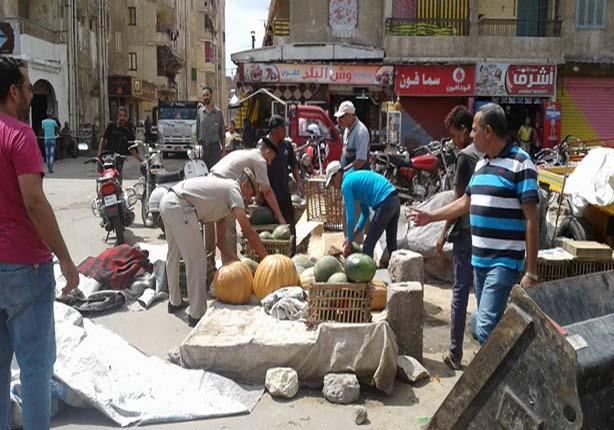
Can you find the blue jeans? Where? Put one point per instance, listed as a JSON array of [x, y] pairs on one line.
[[27, 328], [463, 280], [492, 289], [386, 217], [49, 153]]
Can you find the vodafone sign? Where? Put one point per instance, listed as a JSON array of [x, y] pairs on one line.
[[515, 80], [435, 80]]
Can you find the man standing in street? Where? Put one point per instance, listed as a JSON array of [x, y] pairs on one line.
[[50, 131], [502, 201], [284, 163], [203, 200], [117, 137], [210, 131], [232, 167], [29, 234], [356, 138], [459, 122], [369, 190]]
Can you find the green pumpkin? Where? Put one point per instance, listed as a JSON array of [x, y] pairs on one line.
[[360, 268]]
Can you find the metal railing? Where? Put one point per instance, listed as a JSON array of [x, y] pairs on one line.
[[427, 27], [519, 28]]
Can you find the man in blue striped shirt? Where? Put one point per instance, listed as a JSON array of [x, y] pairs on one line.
[[502, 201], [369, 190]]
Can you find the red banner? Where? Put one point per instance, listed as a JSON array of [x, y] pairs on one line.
[[435, 80]]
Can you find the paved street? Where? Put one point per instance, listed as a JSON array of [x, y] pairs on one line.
[[155, 332]]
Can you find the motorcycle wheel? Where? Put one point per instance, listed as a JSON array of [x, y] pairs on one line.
[[118, 227]]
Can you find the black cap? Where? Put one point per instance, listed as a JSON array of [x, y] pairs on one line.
[[266, 141], [278, 121]]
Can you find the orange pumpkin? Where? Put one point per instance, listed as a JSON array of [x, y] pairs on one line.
[[274, 272], [233, 283], [378, 296]]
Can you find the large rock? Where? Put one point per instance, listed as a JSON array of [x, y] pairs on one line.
[[404, 315], [341, 388], [406, 266], [282, 382], [410, 370]]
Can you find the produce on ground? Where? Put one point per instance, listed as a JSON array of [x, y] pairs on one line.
[[274, 272], [233, 283]]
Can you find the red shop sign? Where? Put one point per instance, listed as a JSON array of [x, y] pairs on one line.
[[434, 80], [531, 80]]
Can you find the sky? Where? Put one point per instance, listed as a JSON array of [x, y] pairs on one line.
[[243, 16]]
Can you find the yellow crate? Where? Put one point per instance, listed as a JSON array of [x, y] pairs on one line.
[[344, 303], [283, 247], [324, 204]]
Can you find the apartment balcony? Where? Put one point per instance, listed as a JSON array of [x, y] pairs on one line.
[[500, 27], [427, 27]]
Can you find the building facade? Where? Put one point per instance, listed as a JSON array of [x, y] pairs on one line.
[[548, 60]]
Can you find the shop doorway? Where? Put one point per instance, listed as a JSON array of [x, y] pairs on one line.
[[43, 100]]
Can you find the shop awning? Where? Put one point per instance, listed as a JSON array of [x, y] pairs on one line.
[[309, 52]]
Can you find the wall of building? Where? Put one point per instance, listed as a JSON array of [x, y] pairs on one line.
[[585, 43], [309, 22], [497, 8]]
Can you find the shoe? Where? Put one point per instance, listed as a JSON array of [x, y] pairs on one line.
[[451, 363], [192, 321], [173, 309]]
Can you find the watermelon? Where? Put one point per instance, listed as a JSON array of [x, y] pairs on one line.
[[326, 267], [251, 263], [281, 232], [266, 235], [360, 268], [263, 216], [303, 260], [338, 278], [356, 247]]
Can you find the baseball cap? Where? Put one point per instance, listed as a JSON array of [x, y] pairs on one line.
[[278, 121], [344, 108], [247, 172], [332, 168]]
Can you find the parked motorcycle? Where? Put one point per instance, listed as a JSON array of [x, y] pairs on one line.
[[158, 181], [312, 155], [113, 204]]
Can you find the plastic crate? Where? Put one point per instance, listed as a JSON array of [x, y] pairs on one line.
[[343, 303], [552, 270], [324, 204], [584, 267], [283, 247]]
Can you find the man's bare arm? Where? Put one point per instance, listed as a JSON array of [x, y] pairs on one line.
[[220, 231]]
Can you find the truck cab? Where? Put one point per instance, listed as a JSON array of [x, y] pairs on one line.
[[306, 115], [176, 122]]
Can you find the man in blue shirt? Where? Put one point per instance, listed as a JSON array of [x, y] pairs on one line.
[[501, 199], [371, 191], [50, 129]]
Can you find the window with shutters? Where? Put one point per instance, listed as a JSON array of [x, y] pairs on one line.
[[209, 52], [132, 66], [118, 42], [591, 14], [131, 16], [194, 74]]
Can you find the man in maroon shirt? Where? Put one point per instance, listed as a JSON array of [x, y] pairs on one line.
[[29, 234]]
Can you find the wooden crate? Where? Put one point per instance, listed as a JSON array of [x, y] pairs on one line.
[[343, 303], [586, 250], [584, 267], [283, 247], [324, 204], [183, 278], [553, 264]]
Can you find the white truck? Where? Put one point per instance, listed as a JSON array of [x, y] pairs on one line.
[[176, 125]]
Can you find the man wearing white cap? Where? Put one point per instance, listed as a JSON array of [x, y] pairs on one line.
[[371, 191], [355, 138]]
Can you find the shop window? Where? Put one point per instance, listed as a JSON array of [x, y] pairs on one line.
[[131, 16], [132, 66], [591, 14], [303, 123]]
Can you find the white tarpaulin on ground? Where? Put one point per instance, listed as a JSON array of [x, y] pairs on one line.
[[242, 342], [592, 181], [102, 370]]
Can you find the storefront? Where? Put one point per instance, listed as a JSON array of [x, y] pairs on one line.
[[138, 96], [586, 95], [522, 90], [325, 85], [427, 93]]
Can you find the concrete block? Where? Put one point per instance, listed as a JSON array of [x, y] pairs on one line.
[[404, 315], [410, 370], [406, 266]]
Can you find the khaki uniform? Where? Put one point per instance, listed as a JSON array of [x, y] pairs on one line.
[[189, 203], [231, 167]]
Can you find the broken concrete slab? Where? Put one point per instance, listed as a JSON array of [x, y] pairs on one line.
[[282, 382], [410, 370], [360, 415], [404, 315], [406, 266], [341, 388]]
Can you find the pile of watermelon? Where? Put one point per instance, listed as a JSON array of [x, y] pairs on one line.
[[358, 268]]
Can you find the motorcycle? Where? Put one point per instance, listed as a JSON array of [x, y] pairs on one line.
[[112, 204], [415, 178], [157, 182], [446, 154], [312, 155]]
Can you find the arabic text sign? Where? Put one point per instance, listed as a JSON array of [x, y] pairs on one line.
[[505, 79], [318, 73], [435, 80]]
